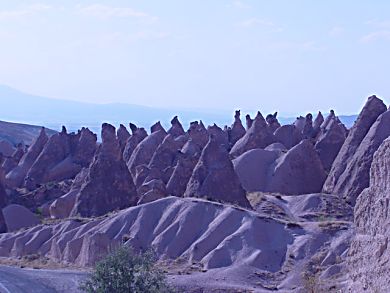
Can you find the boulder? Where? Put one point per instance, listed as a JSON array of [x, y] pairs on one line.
[[108, 185], [214, 177], [16, 177], [18, 217], [257, 137], [176, 129], [253, 167], [277, 146], [329, 143], [369, 114], [355, 178], [369, 253], [288, 135], [144, 151], [299, 171]]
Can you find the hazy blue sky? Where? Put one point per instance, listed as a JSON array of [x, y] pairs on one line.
[[291, 55]]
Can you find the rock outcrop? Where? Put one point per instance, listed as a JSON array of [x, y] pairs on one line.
[[6, 148], [237, 130], [288, 135], [253, 167], [329, 142], [176, 129], [3, 196], [272, 122], [219, 135], [123, 135], [257, 137], [108, 185], [369, 253], [373, 108], [17, 217], [11, 162], [299, 171], [138, 135], [144, 151], [63, 157], [16, 177], [214, 177]]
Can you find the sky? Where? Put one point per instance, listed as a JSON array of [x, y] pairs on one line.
[[291, 56]]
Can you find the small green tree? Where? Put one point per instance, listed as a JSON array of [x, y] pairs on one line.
[[125, 271]]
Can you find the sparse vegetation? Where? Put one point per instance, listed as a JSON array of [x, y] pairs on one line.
[[126, 271]]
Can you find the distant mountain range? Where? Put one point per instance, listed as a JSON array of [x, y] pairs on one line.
[[20, 107]]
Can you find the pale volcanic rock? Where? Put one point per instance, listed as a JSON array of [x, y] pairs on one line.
[[369, 253], [288, 135], [16, 177], [11, 162], [198, 133], [253, 168], [329, 143], [355, 178], [237, 130], [151, 190], [248, 121], [214, 177], [138, 135], [3, 196], [157, 127], [6, 148], [145, 150], [299, 171], [123, 135], [63, 157], [17, 217], [108, 185], [258, 136], [176, 129], [272, 122], [369, 114], [299, 123], [318, 122], [219, 135]]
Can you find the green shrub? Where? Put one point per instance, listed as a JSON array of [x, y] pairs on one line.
[[125, 271]]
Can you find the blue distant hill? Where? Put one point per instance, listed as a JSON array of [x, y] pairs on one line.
[[20, 107]]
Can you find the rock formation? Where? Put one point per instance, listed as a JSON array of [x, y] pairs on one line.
[[369, 254], [355, 178], [369, 114], [299, 171], [318, 122], [198, 134], [257, 137], [249, 121], [16, 177], [123, 135], [219, 135], [252, 168], [308, 130], [273, 122], [138, 135], [329, 142], [214, 177], [237, 130], [3, 196], [288, 135], [12, 161], [157, 127], [17, 217], [108, 185], [144, 151], [63, 157], [6, 148], [176, 129]]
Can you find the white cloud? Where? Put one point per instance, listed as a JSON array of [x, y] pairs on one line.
[[378, 23], [138, 36], [106, 12], [257, 22], [376, 36], [23, 11]]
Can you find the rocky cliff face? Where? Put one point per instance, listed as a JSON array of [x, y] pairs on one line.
[[108, 184], [370, 112], [369, 254]]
